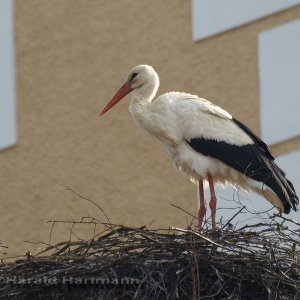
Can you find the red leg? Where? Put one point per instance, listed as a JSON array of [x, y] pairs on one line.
[[213, 201], [202, 209]]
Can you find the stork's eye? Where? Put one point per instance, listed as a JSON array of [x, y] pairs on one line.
[[133, 75]]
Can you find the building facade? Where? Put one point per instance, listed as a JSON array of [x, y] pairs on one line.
[[70, 58]]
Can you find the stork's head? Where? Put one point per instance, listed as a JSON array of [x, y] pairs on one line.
[[142, 81]]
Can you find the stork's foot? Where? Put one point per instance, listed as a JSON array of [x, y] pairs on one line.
[[213, 207]]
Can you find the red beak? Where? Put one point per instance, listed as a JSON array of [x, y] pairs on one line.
[[120, 94]]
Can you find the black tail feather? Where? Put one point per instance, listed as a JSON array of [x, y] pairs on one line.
[[283, 188]]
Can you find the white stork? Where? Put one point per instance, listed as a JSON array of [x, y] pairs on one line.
[[205, 142]]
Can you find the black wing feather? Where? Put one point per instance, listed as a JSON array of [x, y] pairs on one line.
[[254, 138]]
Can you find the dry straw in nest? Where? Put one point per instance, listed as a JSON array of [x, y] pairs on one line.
[[260, 261]]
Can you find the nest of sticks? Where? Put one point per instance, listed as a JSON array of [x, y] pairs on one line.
[[260, 261], [257, 261]]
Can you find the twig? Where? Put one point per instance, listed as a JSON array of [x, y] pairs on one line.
[[87, 199]]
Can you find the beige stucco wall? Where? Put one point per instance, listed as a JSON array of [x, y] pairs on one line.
[[71, 56]]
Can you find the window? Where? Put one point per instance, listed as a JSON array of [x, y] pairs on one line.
[[279, 73], [8, 135], [211, 17]]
